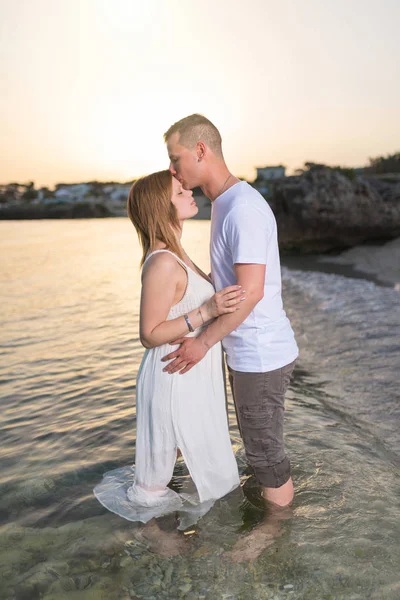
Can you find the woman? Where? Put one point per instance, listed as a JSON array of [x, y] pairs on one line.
[[176, 412]]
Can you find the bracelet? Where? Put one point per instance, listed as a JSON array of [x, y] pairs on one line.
[[201, 314], [188, 323]]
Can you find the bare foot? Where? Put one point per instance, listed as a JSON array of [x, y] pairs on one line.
[[166, 543], [252, 545]]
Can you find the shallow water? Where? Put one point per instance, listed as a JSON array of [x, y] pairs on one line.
[[69, 357]]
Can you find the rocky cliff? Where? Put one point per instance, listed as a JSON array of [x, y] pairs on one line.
[[323, 210]]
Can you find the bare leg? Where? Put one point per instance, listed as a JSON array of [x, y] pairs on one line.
[[281, 496]]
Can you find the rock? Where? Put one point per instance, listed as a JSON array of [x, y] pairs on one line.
[[168, 575], [12, 534], [390, 590], [58, 569], [83, 581], [323, 210], [125, 562], [82, 548], [67, 584], [33, 492], [34, 583], [202, 551], [6, 573]]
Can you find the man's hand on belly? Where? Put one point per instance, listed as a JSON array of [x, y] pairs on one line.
[[190, 352]]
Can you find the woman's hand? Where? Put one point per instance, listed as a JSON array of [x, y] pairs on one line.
[[224, 301]]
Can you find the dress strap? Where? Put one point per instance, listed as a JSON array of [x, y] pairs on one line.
[[180, 261]]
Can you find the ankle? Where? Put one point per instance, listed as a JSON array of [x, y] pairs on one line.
[[279, 497]]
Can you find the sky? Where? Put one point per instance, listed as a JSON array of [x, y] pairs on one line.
[[88, 87]]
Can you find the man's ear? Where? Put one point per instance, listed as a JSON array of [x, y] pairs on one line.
[[201, 150]]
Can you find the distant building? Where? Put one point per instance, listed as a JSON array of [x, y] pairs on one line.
[[72, 192], [62, 193], [119, 193], [269, 173]]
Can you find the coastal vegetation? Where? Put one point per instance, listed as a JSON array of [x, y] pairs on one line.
[[348, 172], [384, 164]]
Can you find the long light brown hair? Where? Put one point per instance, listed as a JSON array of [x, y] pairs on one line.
[[151, 211]]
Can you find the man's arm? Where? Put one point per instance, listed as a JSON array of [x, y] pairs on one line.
[[251, 277]]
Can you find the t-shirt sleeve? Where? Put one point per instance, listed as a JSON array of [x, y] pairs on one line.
[[247, 233]]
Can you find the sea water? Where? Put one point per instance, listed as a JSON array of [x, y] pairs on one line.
[[70, 353]]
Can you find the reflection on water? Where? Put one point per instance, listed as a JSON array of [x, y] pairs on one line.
[[69, 357]]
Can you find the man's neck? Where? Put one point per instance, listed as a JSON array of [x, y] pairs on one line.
[[218, 184]]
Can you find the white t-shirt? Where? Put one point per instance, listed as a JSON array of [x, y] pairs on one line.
[[243, 230]]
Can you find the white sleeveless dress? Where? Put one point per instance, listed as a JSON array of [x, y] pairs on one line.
[[176, 411]]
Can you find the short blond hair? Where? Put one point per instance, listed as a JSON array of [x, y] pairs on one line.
[[196, 128]]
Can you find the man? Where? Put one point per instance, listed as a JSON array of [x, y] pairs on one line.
[[258, 340]]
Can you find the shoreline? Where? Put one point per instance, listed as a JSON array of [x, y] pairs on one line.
[[378, 261], [83, 210], [80, 210], [371, 262]]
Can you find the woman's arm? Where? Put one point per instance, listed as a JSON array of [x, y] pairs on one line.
[[160, 282]]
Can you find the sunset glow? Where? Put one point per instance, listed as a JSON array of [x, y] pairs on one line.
[[90, 87]]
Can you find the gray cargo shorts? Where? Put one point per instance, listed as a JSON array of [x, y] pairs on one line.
[[259, 401]]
